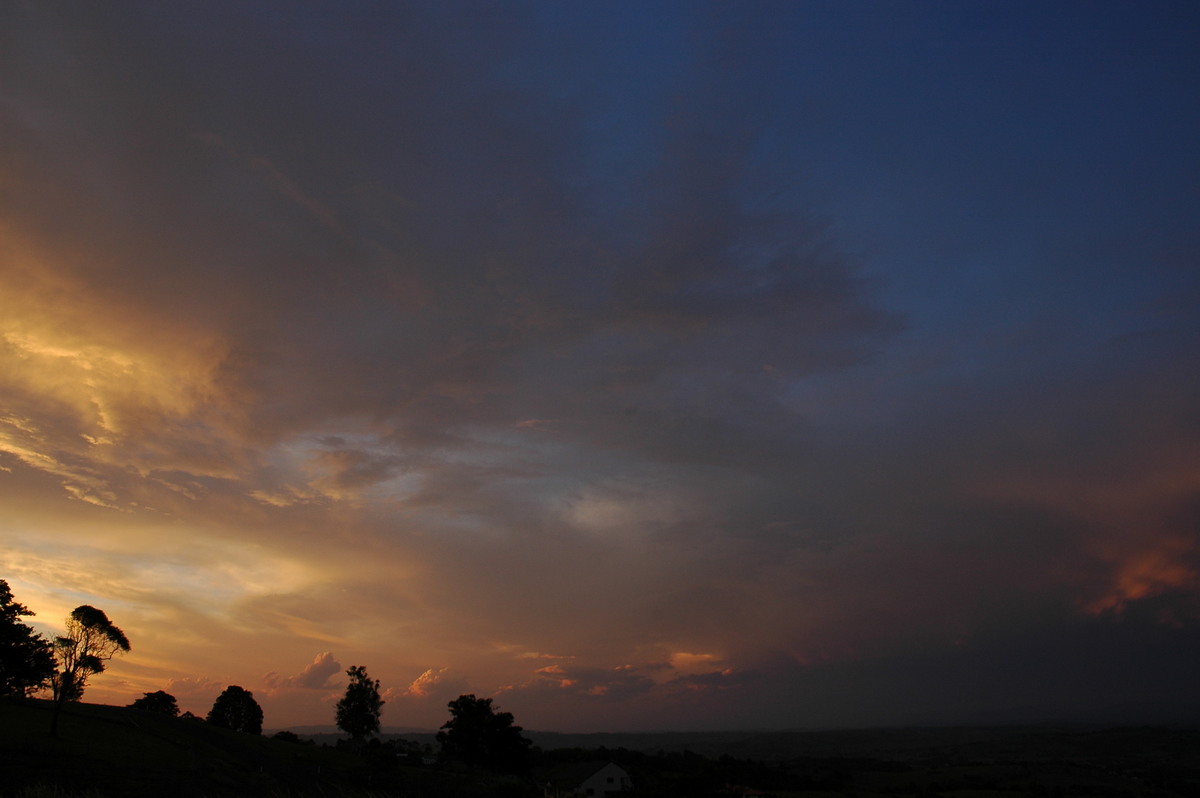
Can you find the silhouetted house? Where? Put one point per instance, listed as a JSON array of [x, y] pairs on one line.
[[584, 779]]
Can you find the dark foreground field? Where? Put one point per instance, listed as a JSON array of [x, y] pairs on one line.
[[114, 752], [958, 762], [106, 752]]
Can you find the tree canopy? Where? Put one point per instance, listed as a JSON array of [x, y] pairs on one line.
[[358, 710], [90, 642], [26, 658], [479, 736], [235, 708], [158, 701]]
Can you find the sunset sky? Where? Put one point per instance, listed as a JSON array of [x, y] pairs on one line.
[[641, 365]]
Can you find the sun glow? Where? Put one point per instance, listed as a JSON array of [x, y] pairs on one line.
[[94, 390]]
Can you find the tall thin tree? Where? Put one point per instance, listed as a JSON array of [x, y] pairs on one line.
[[358, 710]]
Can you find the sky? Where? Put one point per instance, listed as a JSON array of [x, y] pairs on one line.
[[640, 365]]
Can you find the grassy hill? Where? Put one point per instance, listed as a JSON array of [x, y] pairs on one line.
[[105, 752]]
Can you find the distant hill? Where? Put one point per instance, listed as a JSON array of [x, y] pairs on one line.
[[397, 731], [897, 744]]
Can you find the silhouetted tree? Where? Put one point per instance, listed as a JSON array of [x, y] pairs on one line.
[[481, 737], [290, 737], [235, 708], [26, 658], [358, 710], [158, 701], [90, 642]]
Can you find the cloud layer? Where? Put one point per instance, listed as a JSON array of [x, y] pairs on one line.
[[675, 367]]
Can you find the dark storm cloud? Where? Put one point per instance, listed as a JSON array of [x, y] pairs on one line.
[[682, 304]]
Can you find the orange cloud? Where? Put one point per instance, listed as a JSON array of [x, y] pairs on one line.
[[97, 389], [314, 676], [424, 684], [1143, 574], [688, 662]]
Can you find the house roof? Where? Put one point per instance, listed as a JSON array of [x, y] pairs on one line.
[[571, 774]]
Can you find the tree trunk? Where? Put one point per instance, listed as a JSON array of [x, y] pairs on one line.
[[58, 696], [56, 709]]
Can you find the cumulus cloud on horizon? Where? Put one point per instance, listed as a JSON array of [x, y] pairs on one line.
[[316, 675]]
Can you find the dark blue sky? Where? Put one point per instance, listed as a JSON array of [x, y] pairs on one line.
[[642, 365]]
